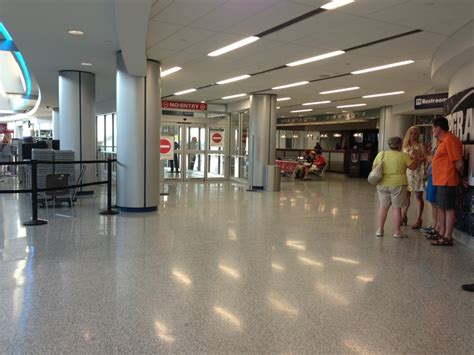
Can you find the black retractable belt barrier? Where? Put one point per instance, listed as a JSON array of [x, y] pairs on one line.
[[109, 211], [34, 198]]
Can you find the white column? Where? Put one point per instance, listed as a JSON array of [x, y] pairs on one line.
[[391, 125], [262, 142], [77, 118], [55, 122], [138, 137]]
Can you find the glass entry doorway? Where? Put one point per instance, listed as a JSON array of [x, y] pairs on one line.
[[196, 157]]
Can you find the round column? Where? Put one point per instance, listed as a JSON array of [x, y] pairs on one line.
[[77, 119], [391, 125], [262, 142], [138, 138], [55, 122]]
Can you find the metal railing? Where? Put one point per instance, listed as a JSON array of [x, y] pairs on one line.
[[34, 190]]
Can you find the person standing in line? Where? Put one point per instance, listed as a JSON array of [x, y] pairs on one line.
[[447, 167], [431, 232], [416, 178], [392, 190]]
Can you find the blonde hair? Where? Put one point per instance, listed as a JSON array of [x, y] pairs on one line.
[[406, 139]]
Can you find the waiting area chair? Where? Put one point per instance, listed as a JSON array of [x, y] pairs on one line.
[[60, 182]]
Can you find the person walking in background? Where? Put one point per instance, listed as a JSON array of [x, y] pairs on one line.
[[416, 178], [447, 167], [392, 190]]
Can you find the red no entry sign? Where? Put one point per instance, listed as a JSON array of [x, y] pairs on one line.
[[217, 137], [165, 146]]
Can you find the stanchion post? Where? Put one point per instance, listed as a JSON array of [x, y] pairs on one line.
[[109, 211], [34, 198]]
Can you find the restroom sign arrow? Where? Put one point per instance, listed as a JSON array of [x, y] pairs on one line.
[[166, 147]]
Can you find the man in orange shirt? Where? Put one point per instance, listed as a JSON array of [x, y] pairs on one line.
[[447, 168]]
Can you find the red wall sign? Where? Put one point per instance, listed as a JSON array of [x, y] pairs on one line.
[[196, 106], [216, 137], [165, 146]]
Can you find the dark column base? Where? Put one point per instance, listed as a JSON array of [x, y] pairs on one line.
[[108, 213], [139, 209], [37, 222]]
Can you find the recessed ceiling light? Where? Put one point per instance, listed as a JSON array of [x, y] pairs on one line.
[[278, 107], [314, 59], [387, 66], [233, 46], [86, 64], [306, 110], [339, 90], [291, 85], [170, 71], [353, 105], [75, 32], [334, 4], [316, 103], [284, 98], [233, 96], [184, 92], [384, 94], [231, 80]]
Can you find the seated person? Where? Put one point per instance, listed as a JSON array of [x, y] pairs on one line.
[[318, 164], [302, 170]]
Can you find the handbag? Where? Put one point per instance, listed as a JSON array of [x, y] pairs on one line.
[[376, 174]]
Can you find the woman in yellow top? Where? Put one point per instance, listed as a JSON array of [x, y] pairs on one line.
[[392, 190], [416, 178]]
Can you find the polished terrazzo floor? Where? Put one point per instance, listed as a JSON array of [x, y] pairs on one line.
[[222, 270]]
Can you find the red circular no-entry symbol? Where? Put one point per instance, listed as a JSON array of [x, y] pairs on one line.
[[165, 146], [217, 137]]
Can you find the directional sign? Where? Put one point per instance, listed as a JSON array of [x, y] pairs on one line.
[[166, 147], [217, 138]]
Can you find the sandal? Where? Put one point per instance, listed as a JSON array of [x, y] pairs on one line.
[[433, 236], [400, 236], [379, 233], [443, 242]]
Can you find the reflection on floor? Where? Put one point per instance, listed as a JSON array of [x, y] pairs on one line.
[[218, 269]]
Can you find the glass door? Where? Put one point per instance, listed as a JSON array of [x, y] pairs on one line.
[[217, 153], [173, 167], [195, 152]]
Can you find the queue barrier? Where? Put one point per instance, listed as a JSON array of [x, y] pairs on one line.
[[34, 186]]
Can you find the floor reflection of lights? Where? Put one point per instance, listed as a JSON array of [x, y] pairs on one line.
[[309, 261], [345, 260], [230, 271], [331, 294], [181, 277], [227, 316], [296, 244], [277, 267], [282, 305], [366, 279], [162, 332]]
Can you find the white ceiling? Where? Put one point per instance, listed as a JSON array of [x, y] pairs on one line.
[[182, 32]]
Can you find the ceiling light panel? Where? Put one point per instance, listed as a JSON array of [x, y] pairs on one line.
[[316, 103], [336, 4], [353, 105], [170, 71], [314, 59], [339, 90], [383, 94], [290, 85], [283, 98], [306, 110], [233, 96], [231, 80], [75, 32], [381, 67], [184, 92], [233, 46]]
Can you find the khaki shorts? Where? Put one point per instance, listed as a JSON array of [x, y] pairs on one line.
[[393, 196]]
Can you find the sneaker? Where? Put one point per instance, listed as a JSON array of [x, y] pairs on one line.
[[426, 229], [400, 236]]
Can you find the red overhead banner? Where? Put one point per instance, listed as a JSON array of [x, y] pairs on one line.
[[196, 106]]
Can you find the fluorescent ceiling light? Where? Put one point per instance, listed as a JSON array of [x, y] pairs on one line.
[[354, 105], [278, 107], [75, 32], [314, 59], [334, 4], [86, 64], [339, 90], [284, 98], [384, 94], [233, 46], [290, 85], [387, 66], [316, 103], [184, 92], [233, 96], [169, 71], [231, 80], [306, 110]]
